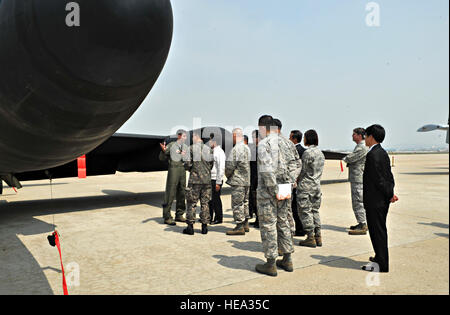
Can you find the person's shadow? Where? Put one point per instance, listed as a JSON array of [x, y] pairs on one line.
[[435, 224], [334, 228], [339, 262], [239, 262], [251, 246]]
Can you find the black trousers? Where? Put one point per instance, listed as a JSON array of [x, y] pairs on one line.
[[215, 204], [298, 222], [376, 222], [252, 207]]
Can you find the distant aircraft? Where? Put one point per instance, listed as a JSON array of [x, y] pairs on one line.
[[427, 128], [65, 91]]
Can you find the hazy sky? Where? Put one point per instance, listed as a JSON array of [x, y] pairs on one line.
[[311, 63]]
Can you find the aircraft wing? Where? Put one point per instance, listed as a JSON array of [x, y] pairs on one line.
[[121, 152], [432, 127], [331, 155]]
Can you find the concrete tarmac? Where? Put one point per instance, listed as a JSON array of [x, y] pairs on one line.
[[114, 241]]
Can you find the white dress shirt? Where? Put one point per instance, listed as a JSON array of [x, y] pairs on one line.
[[218, 169]]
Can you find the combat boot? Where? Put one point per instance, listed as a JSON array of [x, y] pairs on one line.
[[318, 237], [286, 263], [169, 221], [268, 268], [180, 219], [189, 230], [204, 229], [361, 229], [246, 227], [310, 241], [238, 230]]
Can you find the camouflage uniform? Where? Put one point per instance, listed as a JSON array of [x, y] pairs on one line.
[[309, 195], [273, 169], [237, 170], [199, 164], [285, 145], [355, 163], [176, 178]]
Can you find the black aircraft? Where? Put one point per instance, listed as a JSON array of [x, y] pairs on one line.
[[71, 74]]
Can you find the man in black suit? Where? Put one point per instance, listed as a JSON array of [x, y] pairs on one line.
[[296, 138], [378, 193], [254, 178]]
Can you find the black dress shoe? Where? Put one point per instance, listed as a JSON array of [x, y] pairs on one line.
[[217, 222], [368, 268]]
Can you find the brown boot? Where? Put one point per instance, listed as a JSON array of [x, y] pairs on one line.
[[361, 229], [318, 237], [318, 240], [268, 268], [310, 241], [238, 230], [180, 219], [286, 263], [169, 221], [246, 227]]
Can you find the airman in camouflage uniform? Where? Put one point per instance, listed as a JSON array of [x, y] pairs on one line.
[[274, 165], [355, 163], [294, 171], [237, 170], [309, 194], [175, 153], [199, 165]]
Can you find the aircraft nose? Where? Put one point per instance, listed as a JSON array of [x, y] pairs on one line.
[[117, 43], [67, 87]]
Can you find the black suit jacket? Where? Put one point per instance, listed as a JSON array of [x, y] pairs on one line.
[[378, 182], [300, 149]]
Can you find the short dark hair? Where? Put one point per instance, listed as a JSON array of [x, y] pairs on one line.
[[377, 132], [211, 137], [297, 134], [246, 138], [277, 123], [181, 132], [311, 137], [360, 131], [265, 121]]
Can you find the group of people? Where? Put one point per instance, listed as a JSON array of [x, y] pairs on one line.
[[258, 173]]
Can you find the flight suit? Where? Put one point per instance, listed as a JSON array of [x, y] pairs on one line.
[[176, 178]]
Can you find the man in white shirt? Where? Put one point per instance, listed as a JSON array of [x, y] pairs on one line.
[[217, 172]]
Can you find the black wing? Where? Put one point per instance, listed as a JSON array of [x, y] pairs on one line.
[[330, 155], [121, 152]]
